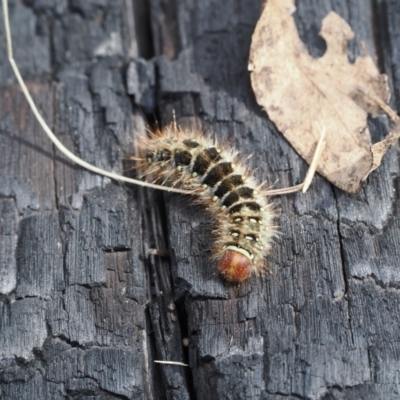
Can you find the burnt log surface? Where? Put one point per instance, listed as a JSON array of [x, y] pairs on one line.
[[87, 307]]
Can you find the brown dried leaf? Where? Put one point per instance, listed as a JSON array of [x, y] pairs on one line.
[[301, 93]]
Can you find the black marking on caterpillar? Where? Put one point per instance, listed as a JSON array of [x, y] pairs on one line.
[[244, 220]]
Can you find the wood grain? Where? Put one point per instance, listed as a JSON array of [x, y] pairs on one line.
[[86, 309]]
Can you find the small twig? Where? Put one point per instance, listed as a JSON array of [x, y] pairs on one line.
[[171, 363], [277, 192], [310, 173], [314, 163]]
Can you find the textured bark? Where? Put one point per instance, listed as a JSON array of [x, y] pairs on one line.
[[86, 308]]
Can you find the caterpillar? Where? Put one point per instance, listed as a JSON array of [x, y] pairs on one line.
[[224, 185]]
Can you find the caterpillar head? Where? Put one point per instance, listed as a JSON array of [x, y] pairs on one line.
[[235, 264]]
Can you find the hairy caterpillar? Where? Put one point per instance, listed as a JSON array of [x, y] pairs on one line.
[[244, 219]]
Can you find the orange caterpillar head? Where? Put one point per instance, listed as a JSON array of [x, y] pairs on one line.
[[235, 264]]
